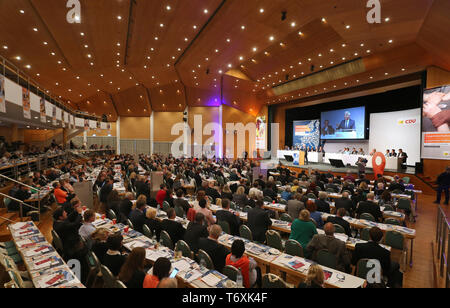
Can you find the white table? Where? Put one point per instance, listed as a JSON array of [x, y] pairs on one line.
[[313, 157]]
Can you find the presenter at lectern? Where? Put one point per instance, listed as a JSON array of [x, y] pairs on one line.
[[347, 123]]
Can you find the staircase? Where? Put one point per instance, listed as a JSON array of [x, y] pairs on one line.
[[5, 235]]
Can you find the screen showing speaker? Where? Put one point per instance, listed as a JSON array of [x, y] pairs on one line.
[[344, 124]]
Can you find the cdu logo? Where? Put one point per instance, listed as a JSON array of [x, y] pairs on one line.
[[74, 14]]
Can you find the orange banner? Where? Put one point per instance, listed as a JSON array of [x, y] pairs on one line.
[[437, 138]]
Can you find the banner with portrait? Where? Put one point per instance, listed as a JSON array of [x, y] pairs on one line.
[[42, 110], [86, 124], [54, 116], [306, 133], [436, 123], [63, 124], [26, 103], [2, 94], [261, 133]]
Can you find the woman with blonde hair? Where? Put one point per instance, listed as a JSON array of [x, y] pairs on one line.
[[240, 198], [303, 230], [226, 192], [315, 278], [99, 246], [153, 224]]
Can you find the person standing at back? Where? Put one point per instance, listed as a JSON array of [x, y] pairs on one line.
[[259, 222], [443, 182]]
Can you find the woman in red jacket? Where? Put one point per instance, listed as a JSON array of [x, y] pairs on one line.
[[251, 274]]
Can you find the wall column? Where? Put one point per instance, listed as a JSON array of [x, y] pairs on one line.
[[14, 133], [219, 154], [152, 139], [118, 136]]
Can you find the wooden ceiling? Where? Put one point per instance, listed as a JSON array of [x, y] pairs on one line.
[[166, 55]]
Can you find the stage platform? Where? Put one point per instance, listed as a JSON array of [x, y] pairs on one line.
[[325, 167]]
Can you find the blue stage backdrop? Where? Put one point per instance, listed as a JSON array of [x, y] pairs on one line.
[[306, 132]]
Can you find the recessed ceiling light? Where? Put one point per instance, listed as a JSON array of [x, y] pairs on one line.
[[161, 25], [255, 49], [344, 45], [156, 38], [387, 19], [243, 27], [261, 10], [293, 24], [18, 58], [205, 11], [119, 17], [45, 43], [195, 27], [28, 66], [228, 40], [403, 69], [22, 12], [347, 27], [391, 41], [168, 8], [5, 47], [324, 20], [35, 29], [271, 38], [82, 33]]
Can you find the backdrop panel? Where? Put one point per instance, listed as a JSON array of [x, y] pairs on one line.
[[306, 132]]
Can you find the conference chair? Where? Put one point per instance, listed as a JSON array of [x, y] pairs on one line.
[[8, 248], [282, 201], [247, 208], [392, 221], [367, 216], [397, 191], [286, 217], [325, 258], [311, 196], [273, 240], [231, 272], [245, 232], [147, 232], [388, 208], [404, 204], [271, 281], [364, 234], [8, 263], [203, 255], [15, 276], [94, 268], [338, 229], [165, 206], [293, 248], [396, 241], [225, 226], [109, 281], [406, 179], [361, 269], [179, 211], [130, 224], [119, 285], [111, 215], [330, 190], [185, 249], [57, 243], [233, 205], [267, 199], [166, 240]]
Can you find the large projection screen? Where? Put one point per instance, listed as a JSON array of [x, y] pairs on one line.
[[396, 130], [436, 123], [344, 124]]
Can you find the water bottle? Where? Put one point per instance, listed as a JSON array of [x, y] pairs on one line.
[[202, 264], [239, 280], [154, 240]]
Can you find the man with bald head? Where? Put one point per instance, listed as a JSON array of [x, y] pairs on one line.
[[344, 202], [333, 245], [211, 246]]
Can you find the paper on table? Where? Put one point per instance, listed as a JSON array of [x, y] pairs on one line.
[[181, 265], [211, 280]]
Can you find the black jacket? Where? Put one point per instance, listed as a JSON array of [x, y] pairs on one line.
[[371, 208], [193, 233], [104, 192], [259, 222], [233, 220], [217, 252], [184, 204], [212, 193], [125, 209], [340, 221], [114, 263], [372, 250], [155, 226], [174, 228], [138, 219], [68, 230], [322, 206], [345, 203]]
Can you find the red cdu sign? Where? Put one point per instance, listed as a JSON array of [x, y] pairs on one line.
[[378, 169]]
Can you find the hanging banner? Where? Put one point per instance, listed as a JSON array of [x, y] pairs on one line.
[[2, 94], [86, 124], [261, 133], [43, 114], [54, 116], [26, 103], [108, 126], [63, 124]]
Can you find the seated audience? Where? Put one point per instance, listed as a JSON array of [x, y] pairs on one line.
[[339, 220], [161, 269], [226, 215], [113, 258], [251, 274], [259, 222], [175, 229], [303, 230], [217, 252], [315, 278], [132, 273]]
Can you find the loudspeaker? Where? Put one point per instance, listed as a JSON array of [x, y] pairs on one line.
[[419, 167]]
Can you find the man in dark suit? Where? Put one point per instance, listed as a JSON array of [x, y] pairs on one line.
[[403, 156], [259, 222], [179, 201], [370, 207], [347, 123], [322, 204], [338, 220], [327, 129], [344, 202], [174, 228], [195, 231], [225, 215], [332, 185], [142, 187], [372, 250], [216, 251], [106, 189], [137, 216], [212, 192]]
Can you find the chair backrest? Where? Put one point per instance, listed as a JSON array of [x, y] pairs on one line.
[[271, 281], [231, 272], [330, 190], [93, 261], [109, 281], [184, 248], [166, 240], [397, 191], [165, 206], [286, 217], [338, 229], [225, 226], [57, 242], [246, 233], [361, 269], [203, 255], [120, 285], [247, 208], [233, 205], [394, 239], [282, 201], [325, 258], [130, 224], [267, 199], [179, 211], [273, 239], [404, 204], [211, 199], [406, 179], [293, 248], [311, 196], [364, 234], [388, 208], [111, 215], [147, 232], [15, 276], [7, 262], [367, 216], [392, 221]]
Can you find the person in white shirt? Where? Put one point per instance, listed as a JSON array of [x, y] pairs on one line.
[[87, 228]]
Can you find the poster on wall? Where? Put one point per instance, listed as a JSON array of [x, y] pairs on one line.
[[86, 124], [436, 123], [42, 110], [63, 124], [261, 133], [307, 133], [54, 115], [26, 103], [2, 94], [108, 126]]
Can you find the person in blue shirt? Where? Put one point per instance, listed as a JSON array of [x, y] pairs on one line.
[[286, 194]]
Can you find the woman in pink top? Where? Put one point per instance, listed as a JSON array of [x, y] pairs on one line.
[[208, 214]]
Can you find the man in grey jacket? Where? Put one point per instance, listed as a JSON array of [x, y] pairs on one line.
[[295, 206], [333, 245]]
